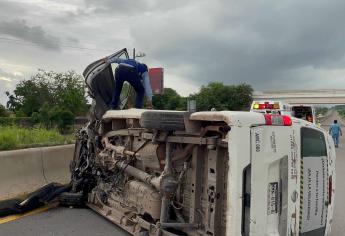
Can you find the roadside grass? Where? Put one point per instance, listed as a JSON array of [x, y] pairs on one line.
[[342, 113], [14, 137]]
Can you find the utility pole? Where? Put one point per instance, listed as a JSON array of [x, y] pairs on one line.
[[140, 54], [191, 105]]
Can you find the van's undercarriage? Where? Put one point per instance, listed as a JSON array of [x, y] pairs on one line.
[[155, 181]]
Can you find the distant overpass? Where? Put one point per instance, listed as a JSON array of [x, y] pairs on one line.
[[321, 96]]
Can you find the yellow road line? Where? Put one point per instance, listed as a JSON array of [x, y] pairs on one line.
[[18, 216]]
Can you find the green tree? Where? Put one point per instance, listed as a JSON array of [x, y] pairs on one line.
[[223, 97], [29, 96], [61, 118], [55, 117], [69, 92], [64, 90], [3, 111], [169, 100], [43, 115]]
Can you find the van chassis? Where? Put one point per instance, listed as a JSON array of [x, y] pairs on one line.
[[155, 182]]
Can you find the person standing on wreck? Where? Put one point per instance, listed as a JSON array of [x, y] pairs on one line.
[[136, 74]]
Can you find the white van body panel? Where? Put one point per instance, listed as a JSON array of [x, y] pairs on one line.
[[239, 159], [265, 163], [270, 147]]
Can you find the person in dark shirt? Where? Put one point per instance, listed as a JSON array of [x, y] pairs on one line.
[[136, 74]]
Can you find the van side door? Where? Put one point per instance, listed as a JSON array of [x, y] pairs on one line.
[[274, 185]]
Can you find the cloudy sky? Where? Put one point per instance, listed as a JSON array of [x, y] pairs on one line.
[[270, 44]]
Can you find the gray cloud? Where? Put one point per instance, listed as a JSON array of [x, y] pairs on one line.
[[11, 76], [123, 7], [254, 42], [33, 34], [3, 97], [72, 17], [12, 8], [72, 40], [286, 44], [7, 83], [137, 7]]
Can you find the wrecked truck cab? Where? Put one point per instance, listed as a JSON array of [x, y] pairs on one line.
[[207, 173]]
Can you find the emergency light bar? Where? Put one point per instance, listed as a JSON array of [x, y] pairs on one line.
[[266, 105], [278, 120]]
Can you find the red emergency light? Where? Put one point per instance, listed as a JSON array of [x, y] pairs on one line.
[[278, 120], [269, 106], [262, 106]]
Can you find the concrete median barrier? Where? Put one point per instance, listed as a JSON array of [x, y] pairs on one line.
[[56, 163], [23, 171]]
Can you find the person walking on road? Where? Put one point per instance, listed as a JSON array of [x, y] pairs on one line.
[[335, 130], [136, 74]]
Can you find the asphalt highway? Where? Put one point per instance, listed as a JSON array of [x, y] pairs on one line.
[[84, 222], [338, 226], [62, 222]]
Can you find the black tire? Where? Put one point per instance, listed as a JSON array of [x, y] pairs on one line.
[[164, 120], [71, 199]]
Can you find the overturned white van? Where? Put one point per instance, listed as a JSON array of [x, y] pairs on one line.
[[204, 173], [207, 173]]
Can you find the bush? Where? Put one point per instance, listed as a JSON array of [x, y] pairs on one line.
[[54, 117], [17, 121], [342, 113], [62, 119], [3, 111]]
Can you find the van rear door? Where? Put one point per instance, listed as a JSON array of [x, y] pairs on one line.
[[304, 112], [314, 180], [274, 185]]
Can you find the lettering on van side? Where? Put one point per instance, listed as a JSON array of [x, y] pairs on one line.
[[314, 211], [273, 142], [293, 154], [272, 198], [257, 142]]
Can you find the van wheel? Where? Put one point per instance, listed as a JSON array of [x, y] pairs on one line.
[[71, 199], [164, 120]]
